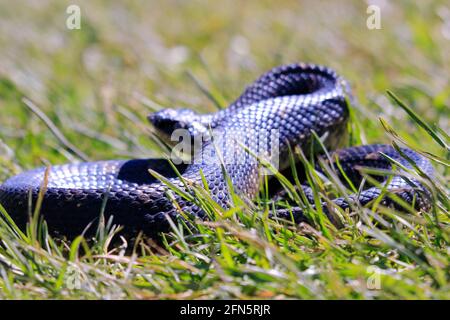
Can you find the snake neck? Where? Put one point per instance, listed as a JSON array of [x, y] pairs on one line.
[[276, 113]]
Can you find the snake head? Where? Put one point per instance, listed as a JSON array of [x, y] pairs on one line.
[[166, 121]]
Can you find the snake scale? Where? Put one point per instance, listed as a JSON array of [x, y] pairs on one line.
[[292, 100]]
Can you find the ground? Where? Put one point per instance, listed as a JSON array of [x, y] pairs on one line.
[[97, 84]]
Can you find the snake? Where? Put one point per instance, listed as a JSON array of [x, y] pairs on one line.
[[287, 107]]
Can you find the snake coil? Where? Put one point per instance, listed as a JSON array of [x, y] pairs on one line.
[[292, 101]]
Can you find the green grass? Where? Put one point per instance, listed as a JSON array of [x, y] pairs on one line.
[[96, 86]]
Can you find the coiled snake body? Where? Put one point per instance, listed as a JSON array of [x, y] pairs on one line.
[[291, 100]]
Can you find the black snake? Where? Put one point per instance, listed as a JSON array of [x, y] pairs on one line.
[[290, 101]]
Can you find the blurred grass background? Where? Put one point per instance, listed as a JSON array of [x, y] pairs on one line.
[[97, 84]]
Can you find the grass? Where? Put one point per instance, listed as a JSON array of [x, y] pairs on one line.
[[96, 86]]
